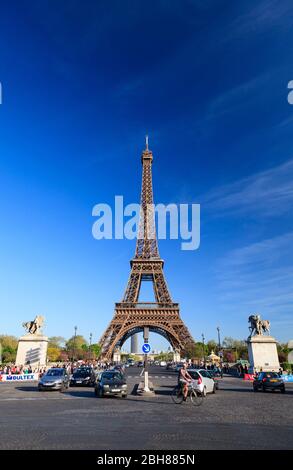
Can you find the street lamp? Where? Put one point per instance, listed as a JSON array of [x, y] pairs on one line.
[[204, 357], [219, 345], [219, 339], [91, 335], [74, 344]]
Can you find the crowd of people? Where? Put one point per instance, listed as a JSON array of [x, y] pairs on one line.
[[15, 370], [69, 366]]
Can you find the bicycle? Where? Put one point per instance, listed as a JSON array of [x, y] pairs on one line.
[[196, 397]]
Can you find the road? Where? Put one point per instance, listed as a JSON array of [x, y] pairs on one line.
[[233, 418]]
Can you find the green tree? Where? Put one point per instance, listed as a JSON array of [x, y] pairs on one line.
[[8, 356], [9, 348], [196, 351], [76, 342], [238, 348], [164, 356], [9, 341], [212, 346], [95, 351], [53, 354], [57, 342], [134, 357], [77, 347]]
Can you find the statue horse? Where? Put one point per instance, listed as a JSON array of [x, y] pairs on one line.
[[35, 325], [258, 326], [265, 324]]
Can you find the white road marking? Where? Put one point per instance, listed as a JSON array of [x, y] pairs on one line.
[[37, 398]]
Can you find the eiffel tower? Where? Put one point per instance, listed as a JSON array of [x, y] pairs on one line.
[[131, 316]]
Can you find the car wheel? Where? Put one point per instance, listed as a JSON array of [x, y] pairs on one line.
[[264, 389], [283, 390], [255, 389], [204, 392], [123, 396], [214, 389], [99, 393]]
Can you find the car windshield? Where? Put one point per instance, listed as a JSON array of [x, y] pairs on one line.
[[193, 374], [111, 375], [81, 373], [54, 373], [271, 375], [205, 373]]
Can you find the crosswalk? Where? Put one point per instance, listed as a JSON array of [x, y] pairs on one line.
[[153, 376]]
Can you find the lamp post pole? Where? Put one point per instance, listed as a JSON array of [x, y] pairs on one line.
[[74, 344], [91, 336], [146, 373], [219, 339], [204, 357], [220, 353]]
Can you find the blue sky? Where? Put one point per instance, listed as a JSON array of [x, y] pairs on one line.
[[82, 83]]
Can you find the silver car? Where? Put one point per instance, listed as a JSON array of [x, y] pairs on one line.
[[201, 382], [54, 379]]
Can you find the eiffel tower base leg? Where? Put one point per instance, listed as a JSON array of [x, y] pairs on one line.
[[117, 356], [176, 356]]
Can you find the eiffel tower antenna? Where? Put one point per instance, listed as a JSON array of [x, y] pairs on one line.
[[132, 316], [147, 142]]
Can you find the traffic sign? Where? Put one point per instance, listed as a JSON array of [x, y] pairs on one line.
[[146, 348]]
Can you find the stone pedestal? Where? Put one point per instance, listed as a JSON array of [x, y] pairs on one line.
[[32, 350], [176, 356], [262, 352]]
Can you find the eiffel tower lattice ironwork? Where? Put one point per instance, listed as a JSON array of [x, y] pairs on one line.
[[131, 316]]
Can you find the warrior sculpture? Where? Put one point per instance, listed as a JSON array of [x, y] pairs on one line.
[[34, 327], [258, 326]]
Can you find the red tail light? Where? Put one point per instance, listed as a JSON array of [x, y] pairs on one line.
[[199, 381], [264, 380]]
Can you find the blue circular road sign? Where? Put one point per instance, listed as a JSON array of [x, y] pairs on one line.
[[146, 348]]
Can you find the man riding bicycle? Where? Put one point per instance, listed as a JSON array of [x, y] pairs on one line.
[[184, 379]]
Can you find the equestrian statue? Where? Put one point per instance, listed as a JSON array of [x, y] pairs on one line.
[[258, 326], [34, 327]]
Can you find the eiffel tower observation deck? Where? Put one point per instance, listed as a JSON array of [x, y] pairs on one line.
[[132, 316]]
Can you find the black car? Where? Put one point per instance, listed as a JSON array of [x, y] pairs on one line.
[[268, 381], [83, 376], [111, 382], [119, 368]]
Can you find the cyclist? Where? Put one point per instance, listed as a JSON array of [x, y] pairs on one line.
[[184, 379]]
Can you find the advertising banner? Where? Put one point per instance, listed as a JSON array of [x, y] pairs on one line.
[[287, 378], [18, 377], [248, 377]]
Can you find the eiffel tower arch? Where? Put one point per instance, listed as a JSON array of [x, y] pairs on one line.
[[131, 316]]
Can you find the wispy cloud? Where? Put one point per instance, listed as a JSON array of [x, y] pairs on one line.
[[268, 192], [259, 278], [264, 15], [242, 95]]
